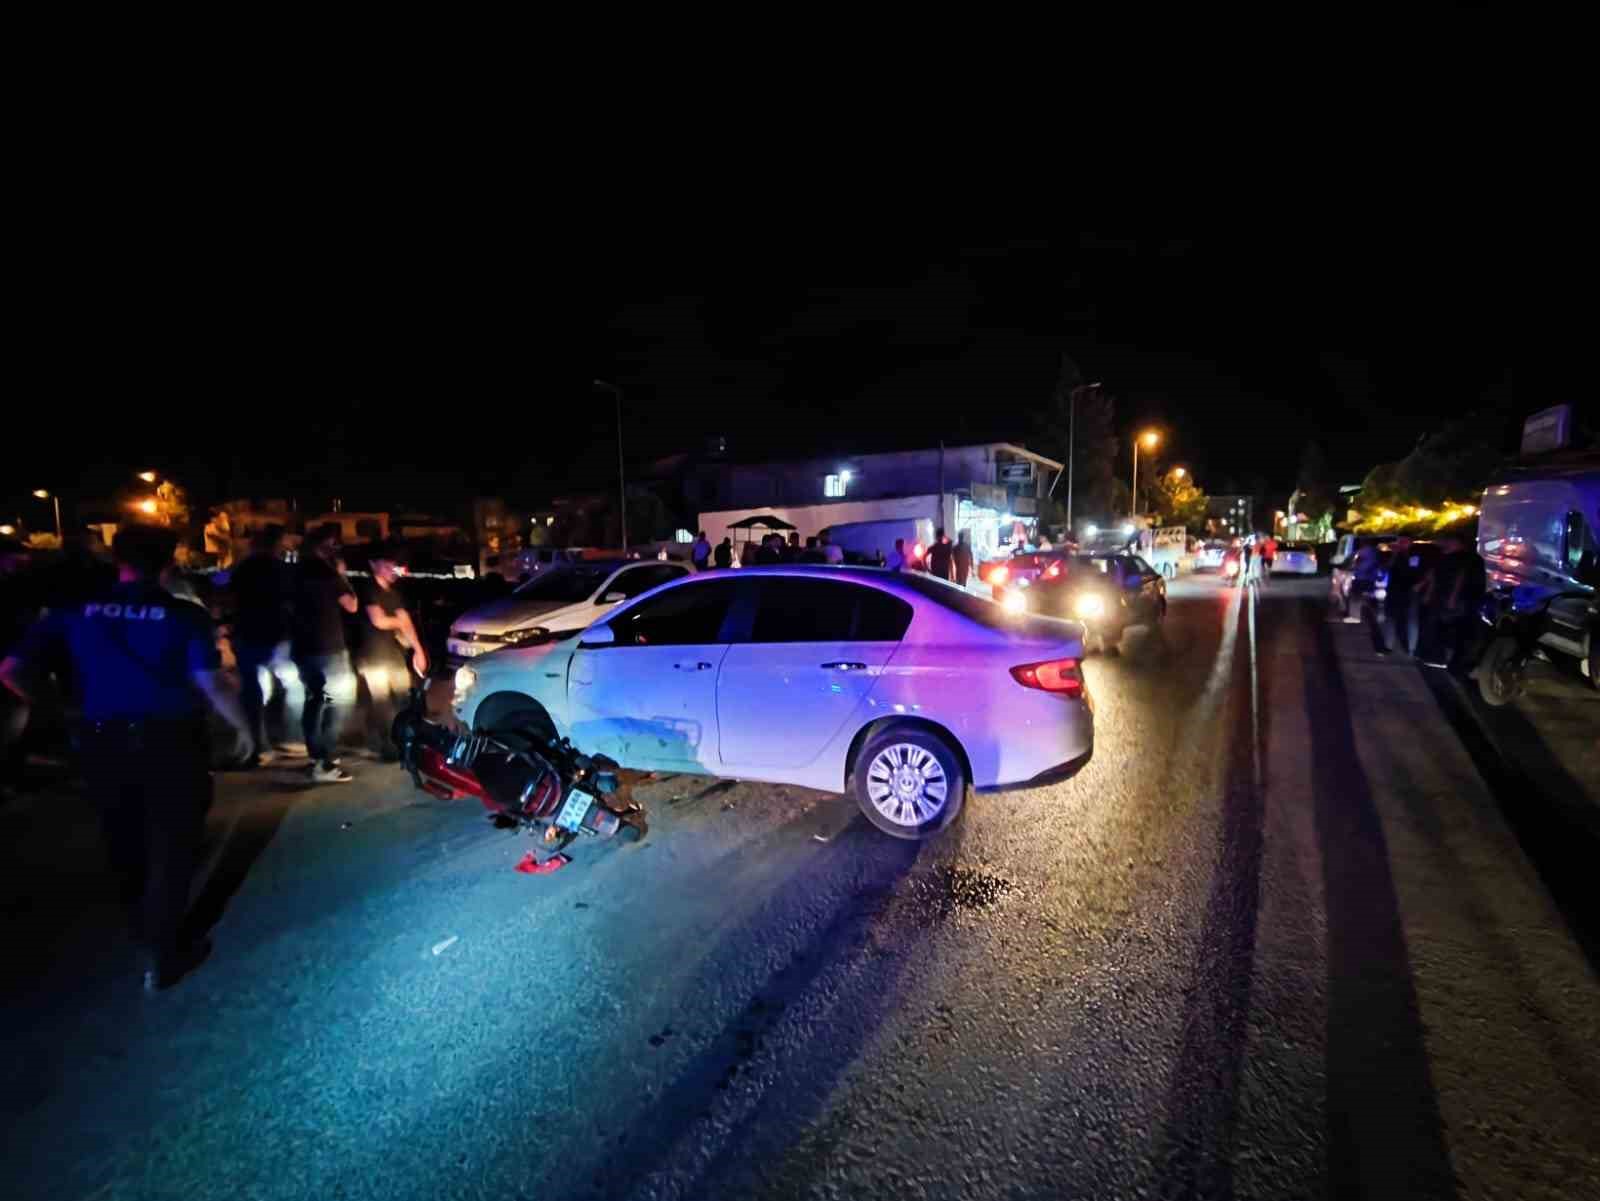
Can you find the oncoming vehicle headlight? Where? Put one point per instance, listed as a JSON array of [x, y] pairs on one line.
[[465, 679], [1089, 604], [1014, 602]]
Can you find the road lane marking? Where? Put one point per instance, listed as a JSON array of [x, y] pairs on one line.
[[1255, 701]]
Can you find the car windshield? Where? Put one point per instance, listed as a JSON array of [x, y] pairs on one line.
[[568, 585]]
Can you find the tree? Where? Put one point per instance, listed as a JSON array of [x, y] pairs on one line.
[[1175, 500], [1446, 469], [1318, 493]]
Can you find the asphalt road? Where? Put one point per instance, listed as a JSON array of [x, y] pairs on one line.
[[1304, 927]]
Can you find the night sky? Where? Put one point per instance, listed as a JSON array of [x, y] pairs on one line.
[[405, 379]]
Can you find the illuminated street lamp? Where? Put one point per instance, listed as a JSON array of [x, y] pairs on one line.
[[1150, 438], [7, 530], [148, 477], [1178, 472], [42, 494]]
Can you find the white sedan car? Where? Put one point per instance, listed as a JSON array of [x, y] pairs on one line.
[[1295, 558], [562, 597], [898, 688]]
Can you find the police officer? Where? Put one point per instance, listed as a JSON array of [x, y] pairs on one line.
[[143, 662]]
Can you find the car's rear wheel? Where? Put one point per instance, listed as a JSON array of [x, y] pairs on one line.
[[909, 782]]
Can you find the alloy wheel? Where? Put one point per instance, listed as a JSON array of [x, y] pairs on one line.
[[907, 784]]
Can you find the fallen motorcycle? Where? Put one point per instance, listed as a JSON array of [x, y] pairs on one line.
[[526, 780]]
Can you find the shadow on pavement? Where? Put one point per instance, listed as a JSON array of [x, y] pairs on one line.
[[241, 845], [1555, 820], [1385, 1136], [1196, 1153], [665, 1132]]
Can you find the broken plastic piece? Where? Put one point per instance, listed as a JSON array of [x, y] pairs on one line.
[[555, 863]]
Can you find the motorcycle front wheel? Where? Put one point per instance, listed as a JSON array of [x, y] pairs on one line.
[[1501, 672]]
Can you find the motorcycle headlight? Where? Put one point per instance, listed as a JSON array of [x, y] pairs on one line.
[[465, 679], [1089, 604]]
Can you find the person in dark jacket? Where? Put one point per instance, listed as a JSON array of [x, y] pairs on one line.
[[1450, 593], [322, 596], [145, 665], [261, 592], [961, 560], [1404, 564], [392, 655], [723, 555], [941, 556]]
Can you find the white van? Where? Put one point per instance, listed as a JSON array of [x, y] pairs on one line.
[[1539, 536]]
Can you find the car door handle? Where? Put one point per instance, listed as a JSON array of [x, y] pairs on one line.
[[700, 666], [841, 665]]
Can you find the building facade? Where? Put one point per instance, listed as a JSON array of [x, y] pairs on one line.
[[1230, 516], [990, 490]]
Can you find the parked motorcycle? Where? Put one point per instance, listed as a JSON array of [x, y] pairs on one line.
[[1517, 620], [526, 780]]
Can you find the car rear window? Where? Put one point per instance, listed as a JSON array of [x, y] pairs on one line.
[[980, 609], [797, 609]]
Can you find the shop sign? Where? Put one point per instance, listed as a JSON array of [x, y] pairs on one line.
[[989, 496]]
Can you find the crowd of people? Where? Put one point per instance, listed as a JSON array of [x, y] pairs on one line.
[[945, 559], [1430, 600], [142, 659]]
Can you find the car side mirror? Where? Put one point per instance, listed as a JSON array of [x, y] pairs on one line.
[[612, 598], [597, 636]]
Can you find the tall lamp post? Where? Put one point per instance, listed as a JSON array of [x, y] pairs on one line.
[[622, 483], [1072, 438], [1149, 438], [50, 496]]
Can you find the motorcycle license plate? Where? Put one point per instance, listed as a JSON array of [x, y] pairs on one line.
[[571, 815]]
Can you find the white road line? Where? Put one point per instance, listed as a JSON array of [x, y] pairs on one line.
[[1255, 700]]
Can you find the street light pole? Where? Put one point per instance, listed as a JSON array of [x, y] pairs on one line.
[[42, 494], [1149, 438], [1133, 504], [622, 482]]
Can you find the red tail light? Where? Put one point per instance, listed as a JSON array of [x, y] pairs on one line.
[[916, 551], [999, 574], [1055, 675], [1052, 571]]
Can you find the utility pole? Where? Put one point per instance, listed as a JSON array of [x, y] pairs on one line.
[[1072, 447], [622, 481]]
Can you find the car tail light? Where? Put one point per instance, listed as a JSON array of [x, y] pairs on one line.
[[1052, 571], [1000, 574], [916, 551], [1054, 675]]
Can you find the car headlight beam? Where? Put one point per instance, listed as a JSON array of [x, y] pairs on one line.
[[1089, 604]]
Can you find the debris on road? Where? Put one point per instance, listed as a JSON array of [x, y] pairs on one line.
[[530, 867]]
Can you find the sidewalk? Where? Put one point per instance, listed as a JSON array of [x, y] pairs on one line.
[[1490, 820]]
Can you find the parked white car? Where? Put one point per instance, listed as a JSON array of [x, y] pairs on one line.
[[563, 597], [1210, 555], [1295, 558], [898, 688]]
